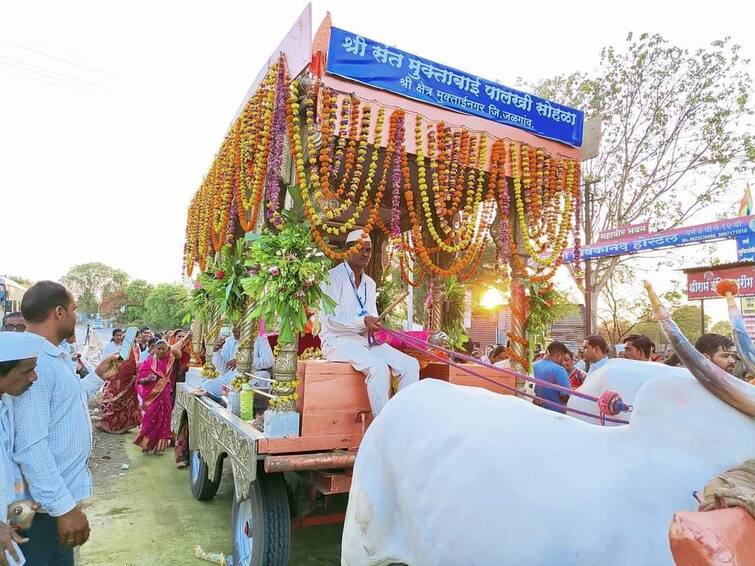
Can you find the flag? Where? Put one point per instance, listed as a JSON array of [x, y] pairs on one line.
[[745, 205]]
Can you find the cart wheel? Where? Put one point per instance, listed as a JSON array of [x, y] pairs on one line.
[[261, 525], [201, 486]]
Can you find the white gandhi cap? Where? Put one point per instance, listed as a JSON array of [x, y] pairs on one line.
[[19, 346], [356, 235]]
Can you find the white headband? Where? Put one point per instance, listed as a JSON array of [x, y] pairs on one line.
[[356, 235]]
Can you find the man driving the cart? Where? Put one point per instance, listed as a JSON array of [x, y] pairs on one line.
[[344, 333]]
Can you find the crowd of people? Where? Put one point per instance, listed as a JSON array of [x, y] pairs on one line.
[[560, 366], [46, 429]]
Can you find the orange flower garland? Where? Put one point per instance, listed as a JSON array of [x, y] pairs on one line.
[[451, 205], [333, 213]]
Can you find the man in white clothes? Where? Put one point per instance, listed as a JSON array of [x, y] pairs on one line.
[[18, 360], [229, 349], [344, 333]]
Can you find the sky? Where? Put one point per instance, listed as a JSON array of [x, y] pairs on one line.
[[111, 112]]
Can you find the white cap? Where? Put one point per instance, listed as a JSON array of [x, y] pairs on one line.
[[19, 346], [356, 235]]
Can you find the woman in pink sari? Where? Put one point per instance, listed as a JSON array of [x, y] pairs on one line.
[[154, 384], [119, 407]]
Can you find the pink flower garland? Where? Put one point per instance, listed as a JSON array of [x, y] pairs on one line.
[[234, 218], [575, 232], [396, 181], [504, 209], [275, 159]]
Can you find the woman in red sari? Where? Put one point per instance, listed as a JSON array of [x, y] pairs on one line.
[[119, 407], [154, 384]]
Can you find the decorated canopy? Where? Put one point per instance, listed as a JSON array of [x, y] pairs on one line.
[[436, 181]]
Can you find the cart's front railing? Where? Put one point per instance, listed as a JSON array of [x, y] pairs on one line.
[[215, 432]]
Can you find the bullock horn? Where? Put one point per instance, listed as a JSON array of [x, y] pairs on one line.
[[743, 341], [710, 376]]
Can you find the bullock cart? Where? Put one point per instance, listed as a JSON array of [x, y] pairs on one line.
[[441, 168], [282, 483]]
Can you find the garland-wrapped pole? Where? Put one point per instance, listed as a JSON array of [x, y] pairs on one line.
[[437, 306], [518, 307], [213, 331], [247, 335], [284, 374], [197, 340]]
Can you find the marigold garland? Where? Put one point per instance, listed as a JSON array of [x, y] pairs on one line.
[[451, 204]]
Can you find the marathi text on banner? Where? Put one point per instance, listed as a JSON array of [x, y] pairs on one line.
[[360, 59]]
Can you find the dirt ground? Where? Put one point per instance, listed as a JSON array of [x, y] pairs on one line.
[[142, 513]]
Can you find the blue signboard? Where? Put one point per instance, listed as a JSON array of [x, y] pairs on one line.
[[746, 246], [741, 227], [375, 64]]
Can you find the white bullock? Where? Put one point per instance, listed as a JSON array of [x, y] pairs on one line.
[[625, 377], [451, 475]]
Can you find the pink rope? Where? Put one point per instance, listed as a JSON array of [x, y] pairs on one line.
[[426, 348]]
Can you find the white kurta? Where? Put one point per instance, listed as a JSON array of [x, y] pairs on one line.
[[263, 361], [9, 471], [219, 361], [110, 348], [342, 340], [7, 467], [229, 348]]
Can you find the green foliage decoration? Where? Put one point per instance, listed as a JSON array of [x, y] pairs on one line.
[[453, 315], [287, 283]]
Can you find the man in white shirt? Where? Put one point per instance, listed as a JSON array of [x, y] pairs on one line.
[[595, 351], [219, 361], [53, 434], [262, 365], [18, 359], [224, 351], [344, 333], [229, 349]]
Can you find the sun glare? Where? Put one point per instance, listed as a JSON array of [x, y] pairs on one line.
[[492, 298]]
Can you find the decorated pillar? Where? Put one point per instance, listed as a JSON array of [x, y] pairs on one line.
[[247, 335], [213, 331], [197, 341], [284, 373], [434, 305], [518, 306]]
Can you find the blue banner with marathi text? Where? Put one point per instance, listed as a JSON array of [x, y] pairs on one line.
[[375, 64], [734, 228]]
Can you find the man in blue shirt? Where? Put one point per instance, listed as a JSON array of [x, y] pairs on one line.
[[551, 369], [53, 435]]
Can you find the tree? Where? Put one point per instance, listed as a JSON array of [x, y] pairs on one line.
[[687, 318], [89, 281], [622, 314], [166, 306], [20, 280], [112, 303], [135, 313], [722, 327], [674, 132]]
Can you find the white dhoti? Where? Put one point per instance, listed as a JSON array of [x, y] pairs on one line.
[[376, 363]]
